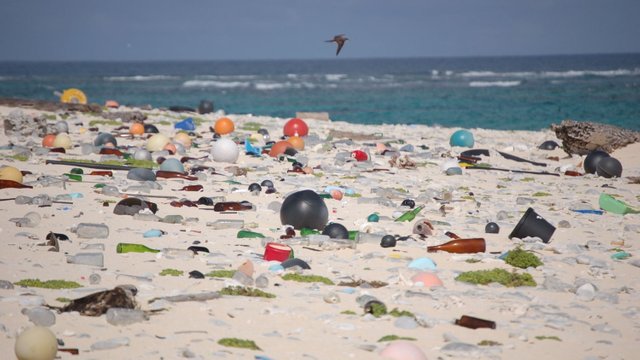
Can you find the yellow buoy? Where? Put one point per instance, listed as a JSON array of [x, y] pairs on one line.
[[10, 173], [73, 96]]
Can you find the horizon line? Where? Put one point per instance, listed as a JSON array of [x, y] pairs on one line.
[[317, 59]]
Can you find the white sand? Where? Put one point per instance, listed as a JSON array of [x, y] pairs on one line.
[[298, 323]]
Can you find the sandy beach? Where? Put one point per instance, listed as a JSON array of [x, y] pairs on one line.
[[584, 304]]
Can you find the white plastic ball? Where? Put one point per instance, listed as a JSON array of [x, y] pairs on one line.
[[36, 343], [157, 142], [402, 350], [225, 150], [142, 154], [62, 127], [62, 140]]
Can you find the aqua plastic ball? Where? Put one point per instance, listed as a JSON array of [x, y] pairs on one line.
[[463, 138], [172, 164]]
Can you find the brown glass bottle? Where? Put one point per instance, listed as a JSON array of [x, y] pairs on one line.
[[461, 246], [174, 175], [475, 323], [232, 206]]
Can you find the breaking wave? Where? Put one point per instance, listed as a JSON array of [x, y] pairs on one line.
[[141, 78], [216, 84], [494, 83]]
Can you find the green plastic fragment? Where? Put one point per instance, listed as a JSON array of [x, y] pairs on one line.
[[620, 255], [610, 204]]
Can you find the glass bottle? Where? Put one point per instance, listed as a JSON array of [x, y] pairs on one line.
[[475, 323], [122, 248], [460, 246], [245, 234], [232, 206], [410, 215]]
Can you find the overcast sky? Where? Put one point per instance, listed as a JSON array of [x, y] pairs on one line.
[[295, 29]]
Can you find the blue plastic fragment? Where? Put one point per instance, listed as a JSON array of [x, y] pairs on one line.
[[589, 211], [503, 255], [276, 268], [250, 149], [422, 263], [186, 124], [620, 255], [76, 195], [346, 191], [152, 233]]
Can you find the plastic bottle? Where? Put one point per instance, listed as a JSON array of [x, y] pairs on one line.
[[410, 215], [460, 246], [373, 238], [94, 259], [92, 231], [226, 224], [122, 248], [123, 316], [475, 323]]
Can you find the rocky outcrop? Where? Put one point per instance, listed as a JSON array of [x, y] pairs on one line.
[[582, 137]]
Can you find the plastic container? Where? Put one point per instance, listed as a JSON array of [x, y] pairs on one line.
[[92, 231], [93, 259]]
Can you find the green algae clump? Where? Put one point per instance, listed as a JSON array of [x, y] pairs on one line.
[[239, 343], [522, 259], [397, 313], [542, 337], [171, 272], [501, 276], [221, 273], [245, 291], [307, 278], [49, 284], [395, 337]]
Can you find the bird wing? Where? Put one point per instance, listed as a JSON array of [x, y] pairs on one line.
[[340, 45]]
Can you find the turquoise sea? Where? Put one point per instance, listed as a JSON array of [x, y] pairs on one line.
[[528, 92]]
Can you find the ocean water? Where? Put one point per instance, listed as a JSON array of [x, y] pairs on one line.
[[519, 93]]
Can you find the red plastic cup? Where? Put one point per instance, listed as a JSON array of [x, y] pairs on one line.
[[277, 252]]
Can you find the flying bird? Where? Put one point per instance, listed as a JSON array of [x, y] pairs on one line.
[[339, 40]]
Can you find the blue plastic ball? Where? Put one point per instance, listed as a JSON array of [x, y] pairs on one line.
[[463, 138], [172, 164]]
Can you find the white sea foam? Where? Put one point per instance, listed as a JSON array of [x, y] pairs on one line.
[[580, 73], [141, 78], [492, 74], [225, 77], [494, 83], [335, 77], [265, 86], [216, 84]]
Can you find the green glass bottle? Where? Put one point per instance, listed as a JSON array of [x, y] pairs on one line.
[[410, 215], [246, 234], [353, 234], [74, 177], [122, 248], [307, 231]]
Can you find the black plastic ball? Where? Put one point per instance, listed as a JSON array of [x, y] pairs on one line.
[[408, 202], [205, 201], [150, 129], [290, 151], [195, 274], [609, 167], [592, 160], [336, 231], [104, 138], [548, 145], [388, 241], [263, 131], [492, 228], [205, 107], [266, 183], [304, 209], [255, 187]]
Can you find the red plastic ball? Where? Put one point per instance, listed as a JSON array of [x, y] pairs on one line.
[[296, 127]]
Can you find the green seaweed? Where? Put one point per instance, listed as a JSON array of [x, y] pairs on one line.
[[63, 300], [541, 194], [239, 343], [488, 343], [171, 272], [19, 157], [543, 337], [528, 179], [251, 126], [49, 284], [376, 308], [348, 312], [307, 278], [395, 337], [501, 276], [522, 259], [473, 261], [220, 273], [130, 162], [104, 122], [164, 122], [50, 116], [244, 291], [397, 313]]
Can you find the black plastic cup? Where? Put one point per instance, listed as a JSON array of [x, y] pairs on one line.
[[533, 225]]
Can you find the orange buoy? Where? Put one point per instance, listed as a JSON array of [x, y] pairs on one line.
[[224, 126], [136, 129], [47, 140], [297, 142], [111, 104], [171, 148], [296, 127], [279, 148]]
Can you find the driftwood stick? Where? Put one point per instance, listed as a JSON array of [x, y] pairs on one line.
[[52, 106]]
